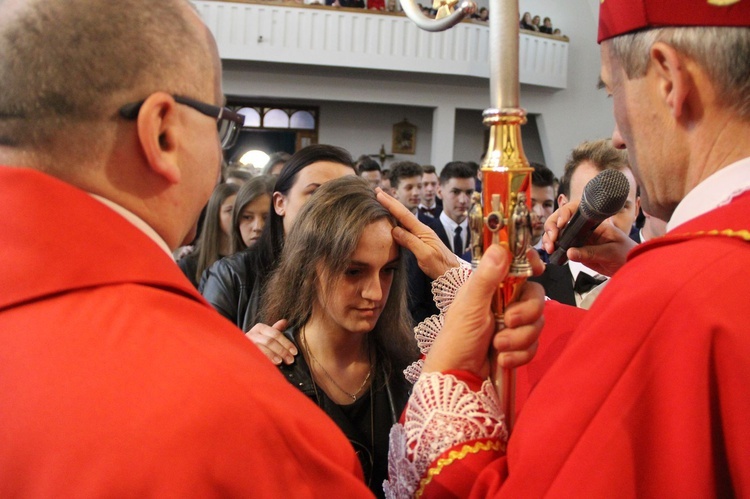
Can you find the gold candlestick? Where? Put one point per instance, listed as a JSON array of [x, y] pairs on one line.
[[502, 216], [506, 194]]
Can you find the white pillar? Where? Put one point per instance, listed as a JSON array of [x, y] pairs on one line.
[[443, 135]]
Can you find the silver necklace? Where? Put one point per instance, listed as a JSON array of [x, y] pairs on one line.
[[352, 396]]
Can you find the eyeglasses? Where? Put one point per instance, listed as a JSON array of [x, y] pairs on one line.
[[228, 122]]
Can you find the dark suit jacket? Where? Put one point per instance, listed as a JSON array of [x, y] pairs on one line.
[[436, 225], [558, 283], [421, 303]]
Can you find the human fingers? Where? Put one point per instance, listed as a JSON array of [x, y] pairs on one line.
[[516, 358], [606, 251], [272, 342], [463, 343], [528, 308], [537, 265], [409, 241], [405, 217], [433, 257], [555, 223], [524, 320], [272, 356]]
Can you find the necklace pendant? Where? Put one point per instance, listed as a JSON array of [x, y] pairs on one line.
[[353, 396]]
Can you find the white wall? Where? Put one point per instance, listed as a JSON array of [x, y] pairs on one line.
[[581, 112], [359, 107], [362, 128], [469, 142]]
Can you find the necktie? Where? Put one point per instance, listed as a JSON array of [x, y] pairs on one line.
[[458, 244], [584, 283]]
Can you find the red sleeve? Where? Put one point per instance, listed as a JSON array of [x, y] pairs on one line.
[[474, 469], [559, 323]]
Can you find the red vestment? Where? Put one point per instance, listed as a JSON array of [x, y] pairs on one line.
[[649, 397], [118, 379]]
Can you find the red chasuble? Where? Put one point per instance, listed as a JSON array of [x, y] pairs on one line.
[[118, 379], [649, 397]]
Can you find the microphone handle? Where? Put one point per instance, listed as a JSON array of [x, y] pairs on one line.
[[574, 235]]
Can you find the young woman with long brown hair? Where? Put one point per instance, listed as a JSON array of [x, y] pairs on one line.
[[341, 286], [215, 240]]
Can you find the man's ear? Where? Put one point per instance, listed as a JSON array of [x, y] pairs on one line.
[[562, 200], [279, 203], [158, 130], [673, 78], [439, 191]]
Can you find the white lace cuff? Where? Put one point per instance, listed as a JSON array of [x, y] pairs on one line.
[[443, 412], [445, 287], [425, 333], [444, 290]]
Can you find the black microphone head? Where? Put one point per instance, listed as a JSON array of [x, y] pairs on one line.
[[604, 195]]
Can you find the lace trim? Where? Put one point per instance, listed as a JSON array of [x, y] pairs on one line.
[[445, 287], [412, 372], [443, 412], [425, 333], [403, 475]]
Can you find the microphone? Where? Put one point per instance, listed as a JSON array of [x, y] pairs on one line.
[[603, 196]]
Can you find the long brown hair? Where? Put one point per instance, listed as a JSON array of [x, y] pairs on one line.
[[209, 242], [326, 234], [267, 250], [249, 192]]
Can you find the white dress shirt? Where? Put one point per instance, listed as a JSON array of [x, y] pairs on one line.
[[715, 191], [450, 229]]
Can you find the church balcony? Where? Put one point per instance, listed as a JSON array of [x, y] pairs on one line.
[[296, 34]]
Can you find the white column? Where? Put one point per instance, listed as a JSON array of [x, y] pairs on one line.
[[443, 135]]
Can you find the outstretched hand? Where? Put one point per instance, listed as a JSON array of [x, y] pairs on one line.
[[464, 342], [272, 342], [433, 257], [605, 251]]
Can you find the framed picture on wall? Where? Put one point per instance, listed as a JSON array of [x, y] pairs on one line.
[[404, 138]]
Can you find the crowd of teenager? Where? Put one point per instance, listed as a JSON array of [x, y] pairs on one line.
[[121, 379]]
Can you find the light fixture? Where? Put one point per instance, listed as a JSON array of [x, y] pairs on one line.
[[256, 158]]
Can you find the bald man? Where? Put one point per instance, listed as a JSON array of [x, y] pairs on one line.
[[118, 378]]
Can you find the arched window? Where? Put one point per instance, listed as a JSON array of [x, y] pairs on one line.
[[252, 117], [302, 119], [271, 127], [275, 118]]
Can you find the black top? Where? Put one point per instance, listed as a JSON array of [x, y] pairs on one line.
[[189, 266], [231, 287], [380, 407]]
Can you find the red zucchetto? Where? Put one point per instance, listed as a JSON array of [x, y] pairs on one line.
[[617, 17]]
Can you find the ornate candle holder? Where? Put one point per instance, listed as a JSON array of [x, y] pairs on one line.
[[501, 215]]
